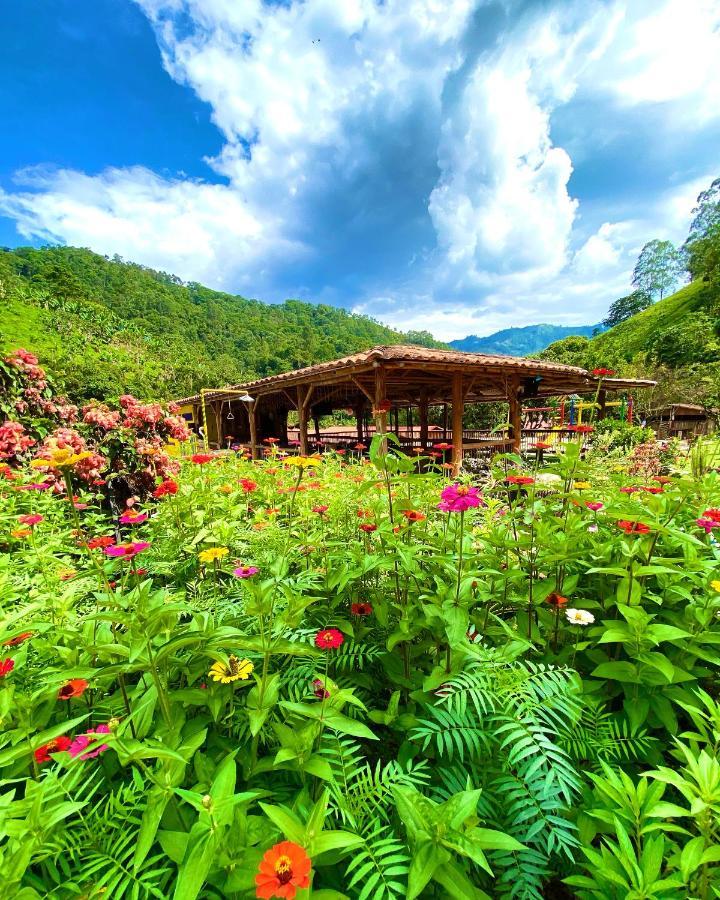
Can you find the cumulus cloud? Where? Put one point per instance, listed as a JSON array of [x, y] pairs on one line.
[[399, 158]]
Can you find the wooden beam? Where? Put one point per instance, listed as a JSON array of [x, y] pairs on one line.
[[515, 412], [254, 448], [423, 410], [380, 398], [458, 406], [302, 420], [362, 388]]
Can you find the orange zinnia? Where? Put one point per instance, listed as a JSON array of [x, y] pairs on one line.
[[283, 869]]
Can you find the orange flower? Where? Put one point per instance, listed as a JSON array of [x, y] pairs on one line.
[[283, 869], [74, 688]]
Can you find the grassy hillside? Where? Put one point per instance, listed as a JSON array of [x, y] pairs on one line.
[[521, 341], [676, 341], [106, 327]]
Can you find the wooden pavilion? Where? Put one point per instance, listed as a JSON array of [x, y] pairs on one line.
[[378, 384]]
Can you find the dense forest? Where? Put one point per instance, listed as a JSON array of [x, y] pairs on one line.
[[674, 339], [106, 326]]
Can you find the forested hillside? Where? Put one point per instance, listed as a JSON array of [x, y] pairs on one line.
[[106, 327], [674, 339], [522, 341]]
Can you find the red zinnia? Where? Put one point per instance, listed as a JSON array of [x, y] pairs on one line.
[[542, 445], [713, 514], [414, 515], [76, 687], [329, 639], [18, 639], [6, 667], [320, 510], [556, 600], [520, 479], [201, 458], [601, 372], [368, 527], [442, 446], [42, 754], [100, 542], [248, 485], [581, 429], [633, 527], [283, 869], [167, 487], [361, 609]]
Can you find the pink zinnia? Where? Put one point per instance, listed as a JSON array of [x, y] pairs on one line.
[[81, 743], [31, 520], [329, 639], [132, 518], [459, 497], [6, 666], [127, 550], [594, 506], [707, 524], [245, 571]]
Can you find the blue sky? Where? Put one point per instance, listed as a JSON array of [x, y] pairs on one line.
[[454, 165]]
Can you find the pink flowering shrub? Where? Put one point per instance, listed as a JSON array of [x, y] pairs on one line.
[[14, 440]]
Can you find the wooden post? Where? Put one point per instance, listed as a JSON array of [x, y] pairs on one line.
[[359, 416], [316, 423], [458, 405], [380, 398], [445, 422], [302, 419], [515, 410], [217, 409], [423, 410], [254, 448], [602, 400]]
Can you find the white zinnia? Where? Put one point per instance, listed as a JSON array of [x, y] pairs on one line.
[[579, 617]]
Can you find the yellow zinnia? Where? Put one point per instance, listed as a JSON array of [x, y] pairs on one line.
[[302, 461], [61, 458], [212, 553], [715, 585], [582, 485], [235, 669]]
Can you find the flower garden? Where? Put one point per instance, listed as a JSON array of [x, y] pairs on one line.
[[348, 676]]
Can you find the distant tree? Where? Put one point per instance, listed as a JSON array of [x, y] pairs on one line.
[[422, 339], [625, 307], [571, 350], [658, 268], [692, 340], [706, 214], [703, 255]]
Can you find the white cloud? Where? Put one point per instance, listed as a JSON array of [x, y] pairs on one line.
[[336, 114]]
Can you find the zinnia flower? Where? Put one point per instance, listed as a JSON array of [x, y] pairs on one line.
[[100, 542], [201, 458], [132, 518], [76, 687], [633, 527], [360, 447], [707, 524], [234, 670], [460, 497], [414, 515], [579, 617], [319, 689], [367, 527], [582, 485], [302, 462], [713, 514], [31, 520], [601, 372], [320, 510], [6, 667], [556, 600], [361, 609], [715, 585], [212, 554], [127, 550], [42, 754], [248, 485], [18, 639], [245, 571], [79, 747], [167, 487], [581, 429], [329, 639], [521, 480], [283, 869], [594, 507], [542, 445]]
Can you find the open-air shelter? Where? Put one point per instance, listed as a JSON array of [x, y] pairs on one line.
[[376, 385]]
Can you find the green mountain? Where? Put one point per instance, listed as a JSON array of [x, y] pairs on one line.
[[676, 341], [521, 341], [106, 327]]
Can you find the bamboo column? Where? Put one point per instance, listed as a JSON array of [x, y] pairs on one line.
[[254, 447], [515, 410], [458, 405], [302, 419]]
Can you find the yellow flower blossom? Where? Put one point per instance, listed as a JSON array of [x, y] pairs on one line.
[[235, 669], [582, 485], [304, 462], [715, 585], [212, 554], [61, 458]]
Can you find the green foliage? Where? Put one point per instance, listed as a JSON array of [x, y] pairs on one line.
[[110, 327], [626, 307], [658, 268]]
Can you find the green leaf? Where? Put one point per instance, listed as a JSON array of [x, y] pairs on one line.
[[286, 822], [426, 859], [196, 865]]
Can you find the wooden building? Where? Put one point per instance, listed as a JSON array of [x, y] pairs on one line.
[[378, 384], [682, 420]]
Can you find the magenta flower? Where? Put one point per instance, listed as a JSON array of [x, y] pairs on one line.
[[594, 506], [707, 524], [127, 550], [459, 497], [245, 571], [132, 518], [80, 744]]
